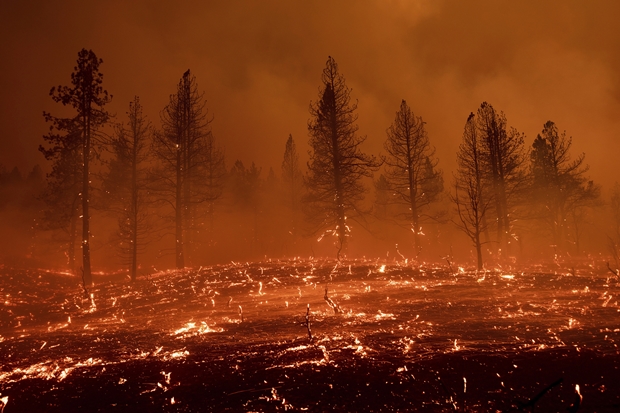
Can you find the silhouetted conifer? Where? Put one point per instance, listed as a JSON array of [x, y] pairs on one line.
[[75, 141], [411, 170], [337, 163]]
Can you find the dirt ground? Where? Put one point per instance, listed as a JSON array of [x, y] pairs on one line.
[[386, 336]]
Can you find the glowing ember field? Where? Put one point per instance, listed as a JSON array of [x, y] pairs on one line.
[[234, 338]]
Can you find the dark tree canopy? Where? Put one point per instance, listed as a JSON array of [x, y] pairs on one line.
[[126, 183], [503, 160], [470, 198], [77, 137], [187, 159], [411, 169], [560, 188], [337, 164]]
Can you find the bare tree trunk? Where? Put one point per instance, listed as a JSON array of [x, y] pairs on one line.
[[479, 251], [342, 232]]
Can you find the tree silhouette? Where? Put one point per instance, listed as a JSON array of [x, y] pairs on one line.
[[471, 201], [184, 155], [503, 155], [87, 97], [411, 170], [126, 183], [337, 164], [293, 180], [560, 189]]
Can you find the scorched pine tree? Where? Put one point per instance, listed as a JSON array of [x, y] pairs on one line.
[[337, 165]]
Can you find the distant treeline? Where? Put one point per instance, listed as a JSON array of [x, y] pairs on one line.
[[165, 190]]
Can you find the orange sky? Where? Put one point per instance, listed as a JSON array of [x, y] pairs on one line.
[[259, 64]]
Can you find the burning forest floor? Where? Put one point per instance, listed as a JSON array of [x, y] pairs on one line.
[[384, 336]]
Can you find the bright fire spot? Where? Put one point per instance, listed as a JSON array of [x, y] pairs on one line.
[[175, 355], [190, 329], [382, 269], [508, 277]]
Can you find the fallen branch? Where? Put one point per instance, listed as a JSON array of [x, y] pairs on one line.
[[331, 303], [534, 400], [612, 271]]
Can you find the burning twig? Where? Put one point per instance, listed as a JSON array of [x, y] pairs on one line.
[[578, 399], [531, 402], [331, 303], [307, 323], [241, 313], [4, 400]]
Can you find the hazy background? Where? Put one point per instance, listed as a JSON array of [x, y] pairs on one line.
[[259, 64]]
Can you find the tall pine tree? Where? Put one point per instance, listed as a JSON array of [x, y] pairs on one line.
[[87, 97], [411, 169], [337, 163], [127, 185], [182, 151]]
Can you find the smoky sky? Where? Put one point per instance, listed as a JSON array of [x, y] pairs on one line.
[[259, 65]]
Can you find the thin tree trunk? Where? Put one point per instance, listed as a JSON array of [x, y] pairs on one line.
[[479, 251], [338, 181]]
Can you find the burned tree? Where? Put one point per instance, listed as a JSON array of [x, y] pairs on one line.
[[469, 197], [182, 149], [411, 169], [560, 189], [503, 159], [337, 164], [87, 97], [293, 180], [127, 185]]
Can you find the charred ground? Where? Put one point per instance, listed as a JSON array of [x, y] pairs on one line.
[[233, 338]]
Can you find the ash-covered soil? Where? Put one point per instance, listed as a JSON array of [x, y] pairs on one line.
[[396, 337]]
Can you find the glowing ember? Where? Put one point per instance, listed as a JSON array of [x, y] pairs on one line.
[[415, 317]]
